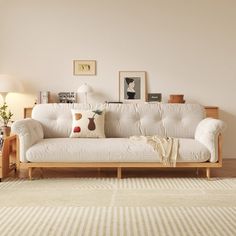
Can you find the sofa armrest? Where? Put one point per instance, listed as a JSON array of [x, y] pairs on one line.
[[29, 132], [207, 133]]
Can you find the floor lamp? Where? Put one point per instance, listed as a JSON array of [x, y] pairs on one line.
[[7, 85]]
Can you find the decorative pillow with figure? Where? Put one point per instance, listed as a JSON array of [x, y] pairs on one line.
[[88, 124]]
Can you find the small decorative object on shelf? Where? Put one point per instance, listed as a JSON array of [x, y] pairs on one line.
[[154, 97], [5, 117], [212, 111], [176, 98], [110, 102], [85, 89], [43, 97], [67, 97]]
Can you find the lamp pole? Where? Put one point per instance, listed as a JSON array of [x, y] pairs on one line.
[[4, 95]]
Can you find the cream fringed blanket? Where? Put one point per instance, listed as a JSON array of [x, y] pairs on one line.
[[167, 148]]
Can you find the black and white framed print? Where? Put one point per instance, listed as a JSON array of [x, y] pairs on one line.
[[132, 86]]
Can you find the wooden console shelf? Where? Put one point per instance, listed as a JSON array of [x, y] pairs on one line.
[[28, 112], [212, 111]]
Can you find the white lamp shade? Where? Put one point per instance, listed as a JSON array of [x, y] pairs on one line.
[[9, 84], [84, 88]]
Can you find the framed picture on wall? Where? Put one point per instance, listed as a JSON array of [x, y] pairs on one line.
[[84, 67], [132, 86]]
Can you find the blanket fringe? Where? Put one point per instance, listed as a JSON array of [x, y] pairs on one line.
[[165, 147]]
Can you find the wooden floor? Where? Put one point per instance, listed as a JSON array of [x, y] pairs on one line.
[[228, 170]]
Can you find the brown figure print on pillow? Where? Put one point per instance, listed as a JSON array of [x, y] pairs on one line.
[[77, 129], [92, 125], [78, 116], [88, 123]]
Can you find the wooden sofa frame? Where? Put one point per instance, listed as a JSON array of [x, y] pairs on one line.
[[120, 165]]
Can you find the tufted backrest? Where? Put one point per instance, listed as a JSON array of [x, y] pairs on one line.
[[125, 120]]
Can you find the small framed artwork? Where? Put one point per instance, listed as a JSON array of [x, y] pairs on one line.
[[67, 97], [84, 67], [154, 97], [132, 86], [43, 97]]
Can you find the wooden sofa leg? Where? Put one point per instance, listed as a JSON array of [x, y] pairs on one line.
[[30, 173], [41, 172], [119, 173], [208, 173], [197, 172], [99, 171]]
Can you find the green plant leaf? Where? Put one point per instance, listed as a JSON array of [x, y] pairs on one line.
[[5, 115]]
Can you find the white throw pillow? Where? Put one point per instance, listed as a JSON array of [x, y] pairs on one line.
[[88, 124]]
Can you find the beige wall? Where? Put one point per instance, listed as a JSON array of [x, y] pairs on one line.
[[186, 46]]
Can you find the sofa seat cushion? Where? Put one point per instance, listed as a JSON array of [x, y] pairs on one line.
[[109, 150]]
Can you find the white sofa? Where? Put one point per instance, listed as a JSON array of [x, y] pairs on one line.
[[44, 140]]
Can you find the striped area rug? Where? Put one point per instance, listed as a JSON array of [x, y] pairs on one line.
[[141, 206]]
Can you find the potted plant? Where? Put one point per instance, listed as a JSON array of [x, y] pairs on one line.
[[5, 116]]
